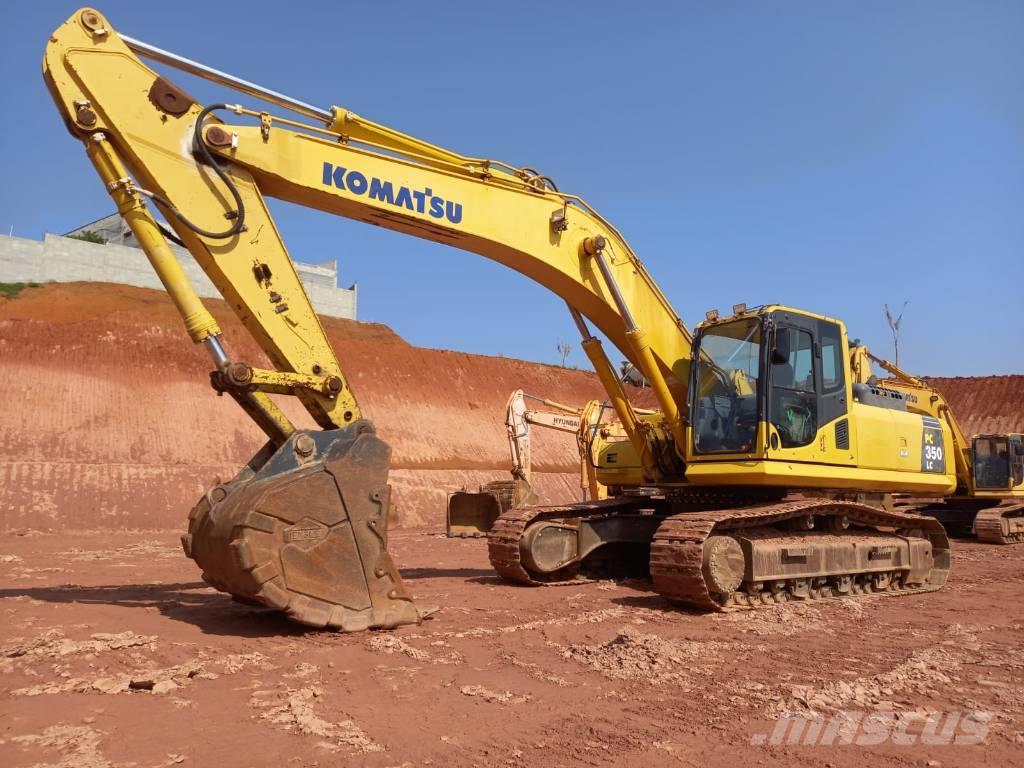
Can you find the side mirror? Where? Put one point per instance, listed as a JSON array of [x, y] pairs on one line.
[[782, 346]]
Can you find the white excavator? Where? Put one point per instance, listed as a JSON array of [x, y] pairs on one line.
[[472, 514]]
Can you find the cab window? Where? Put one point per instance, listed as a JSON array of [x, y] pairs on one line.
[[1017, 459], [794, 399], [831, 359], [991, 462], [725, 407], [797, 372]]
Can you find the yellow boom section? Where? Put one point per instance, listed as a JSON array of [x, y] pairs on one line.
[[508, 225], [513, 217]]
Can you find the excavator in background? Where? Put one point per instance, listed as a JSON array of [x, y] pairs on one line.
[[473, 514], [719, 493], [988, 503]]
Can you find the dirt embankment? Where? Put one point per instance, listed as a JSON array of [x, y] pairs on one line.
[[108, 420], [984, 404]]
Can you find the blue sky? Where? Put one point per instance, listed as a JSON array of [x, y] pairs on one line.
[[830, 156]]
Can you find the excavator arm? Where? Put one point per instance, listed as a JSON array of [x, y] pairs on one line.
[[581, 422], [518, 419], [303, 527], [148, 139]]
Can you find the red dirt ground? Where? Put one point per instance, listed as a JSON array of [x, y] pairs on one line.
[[591, 674]]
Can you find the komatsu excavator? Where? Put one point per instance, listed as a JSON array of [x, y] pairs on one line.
[[473, 514], [988, 502], [753, 409]]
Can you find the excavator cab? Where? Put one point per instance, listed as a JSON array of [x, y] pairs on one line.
[[998, 462], [778, 367], [998, 467]]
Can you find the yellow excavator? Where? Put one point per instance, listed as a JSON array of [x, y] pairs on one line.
[[740, 489], [473, 514], [988, 503]]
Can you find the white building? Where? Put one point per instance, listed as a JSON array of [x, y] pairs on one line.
[[119, 259]]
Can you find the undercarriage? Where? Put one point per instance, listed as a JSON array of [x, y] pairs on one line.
[[712, 554], [995, 521]]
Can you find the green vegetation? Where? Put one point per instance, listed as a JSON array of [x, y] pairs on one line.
[[10, 290], [90, 237]]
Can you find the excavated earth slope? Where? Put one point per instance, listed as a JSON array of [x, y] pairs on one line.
[[107, 420], [984, 404]]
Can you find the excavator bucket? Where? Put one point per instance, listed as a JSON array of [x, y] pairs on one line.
[[303, 529], [471, 515]]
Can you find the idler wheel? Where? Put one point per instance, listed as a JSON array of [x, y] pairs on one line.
[[723, 564]]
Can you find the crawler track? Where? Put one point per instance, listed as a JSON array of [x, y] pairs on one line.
[[1001, 524], [503, 542], [989, 520], [680, 552], [678, 556]]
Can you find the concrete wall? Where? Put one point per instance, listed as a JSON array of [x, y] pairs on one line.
[[64, 260]]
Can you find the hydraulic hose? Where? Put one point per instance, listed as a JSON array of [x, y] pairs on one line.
[[237, 216]]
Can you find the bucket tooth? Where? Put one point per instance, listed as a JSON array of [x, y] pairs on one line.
[[306, 533]]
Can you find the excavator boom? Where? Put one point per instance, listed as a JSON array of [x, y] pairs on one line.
[[155, 131], [303, 527]]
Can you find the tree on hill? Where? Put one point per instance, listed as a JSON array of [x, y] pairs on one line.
[[894, 326], [564, 348], [89, 236]]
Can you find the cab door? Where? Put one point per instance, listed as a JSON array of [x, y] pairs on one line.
[[807, 400]]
